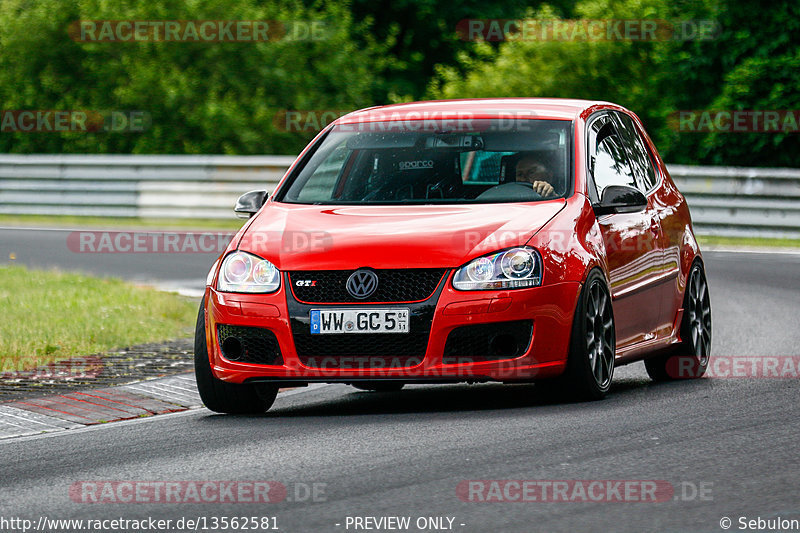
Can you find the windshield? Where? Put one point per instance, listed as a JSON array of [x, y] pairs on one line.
[[399, 163]]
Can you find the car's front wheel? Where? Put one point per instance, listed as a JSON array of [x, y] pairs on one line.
[[590, 365], [690, 360], [221, 396]]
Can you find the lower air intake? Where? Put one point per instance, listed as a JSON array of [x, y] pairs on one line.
[[244, 344]]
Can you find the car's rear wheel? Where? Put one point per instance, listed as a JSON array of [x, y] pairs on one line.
[[691, 358], [378, 386], [221, 396]]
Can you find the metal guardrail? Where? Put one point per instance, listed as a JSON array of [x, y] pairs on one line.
[[145, 186], [741, 201], [723, 200]]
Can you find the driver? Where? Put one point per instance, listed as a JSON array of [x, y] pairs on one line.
[[532, 170]]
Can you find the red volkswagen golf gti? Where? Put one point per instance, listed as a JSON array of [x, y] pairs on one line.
[[509, 240]]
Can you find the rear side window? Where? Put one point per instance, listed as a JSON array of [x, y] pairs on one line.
[[609, 163], [637, 152]]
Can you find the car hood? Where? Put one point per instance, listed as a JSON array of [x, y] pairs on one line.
[[313, 237]]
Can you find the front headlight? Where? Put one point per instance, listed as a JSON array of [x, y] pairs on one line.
[[516, 268], [243, 272]]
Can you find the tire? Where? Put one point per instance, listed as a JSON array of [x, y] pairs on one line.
[[220, 396], [690, 359], [378, 386], [590, 364]]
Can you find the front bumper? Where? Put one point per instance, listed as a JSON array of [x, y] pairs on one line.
[[547, 310]]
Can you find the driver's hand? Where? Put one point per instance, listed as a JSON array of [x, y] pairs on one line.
[[543, 188]]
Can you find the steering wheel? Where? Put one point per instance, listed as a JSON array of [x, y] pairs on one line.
[[512, 191]]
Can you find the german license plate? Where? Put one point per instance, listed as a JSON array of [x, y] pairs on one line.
[[329, 321]]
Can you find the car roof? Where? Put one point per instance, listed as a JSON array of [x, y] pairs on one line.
[[476, 108]]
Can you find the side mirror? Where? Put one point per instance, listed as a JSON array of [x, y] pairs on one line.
[[249, 203], [620, 199]]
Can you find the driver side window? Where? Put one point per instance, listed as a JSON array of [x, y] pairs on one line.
[[609, 164]]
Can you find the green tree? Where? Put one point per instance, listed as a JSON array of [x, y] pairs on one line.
[[624, 72], [422, 34], [750, 64], [754, 64], [203, 97]]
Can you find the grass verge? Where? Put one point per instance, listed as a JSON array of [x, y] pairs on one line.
[[51, 315], [757, 242]]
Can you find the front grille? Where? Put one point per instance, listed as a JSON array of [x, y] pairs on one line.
[[245, 344], [397, 285], [367, 350], [488, 342]]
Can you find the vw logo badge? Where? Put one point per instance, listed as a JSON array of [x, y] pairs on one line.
[[362, 284]]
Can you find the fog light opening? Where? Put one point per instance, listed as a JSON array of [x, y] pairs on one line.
[[504, 345], [232, 348]]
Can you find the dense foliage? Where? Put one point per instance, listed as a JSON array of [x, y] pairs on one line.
[[231, 97]]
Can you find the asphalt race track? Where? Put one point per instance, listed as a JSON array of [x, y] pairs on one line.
[[727, 447], [48, 247]]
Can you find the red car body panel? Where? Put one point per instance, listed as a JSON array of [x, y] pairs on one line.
[[310, 237], [645, 258]]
